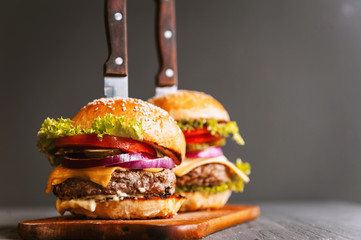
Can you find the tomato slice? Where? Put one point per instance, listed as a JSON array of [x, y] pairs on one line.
[[195, 132], [207, 137], [91, 140]]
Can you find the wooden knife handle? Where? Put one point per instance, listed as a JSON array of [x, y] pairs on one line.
[[116, 30], [167, 48]]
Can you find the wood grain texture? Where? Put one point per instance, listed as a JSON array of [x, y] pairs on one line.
[[279, 220], [192, 225], [298, 221], [167, 47], [117, 38]]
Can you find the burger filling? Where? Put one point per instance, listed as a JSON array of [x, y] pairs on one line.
[[203, 127], [213, 178], [211, 171], [108, 160], [123, 184], [195, 147], [206, 175], [55, 130]]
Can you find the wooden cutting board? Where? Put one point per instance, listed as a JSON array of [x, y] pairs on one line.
[[191, 225]]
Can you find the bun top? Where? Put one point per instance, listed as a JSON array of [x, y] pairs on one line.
[[191, 105], [160, 129]]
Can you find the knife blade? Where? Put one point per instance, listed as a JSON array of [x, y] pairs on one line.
[[116, 66], [167, 77]]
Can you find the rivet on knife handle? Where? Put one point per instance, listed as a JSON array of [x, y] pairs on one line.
[[116, 27], [168, 73]]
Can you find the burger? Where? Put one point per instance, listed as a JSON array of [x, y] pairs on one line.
[[206, 177], [114, 160]]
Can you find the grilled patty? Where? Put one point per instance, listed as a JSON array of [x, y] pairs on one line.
[[133, 182], [206, 175]]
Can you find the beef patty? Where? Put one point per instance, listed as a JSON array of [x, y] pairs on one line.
[[206, 175], [133, 182]]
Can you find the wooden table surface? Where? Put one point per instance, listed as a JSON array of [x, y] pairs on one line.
[[278, 220]]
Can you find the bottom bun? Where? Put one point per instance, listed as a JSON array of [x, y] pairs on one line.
[[123, 209], [202, 200]]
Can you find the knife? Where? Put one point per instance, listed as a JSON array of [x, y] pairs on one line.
[[167, 77], [116, 66]]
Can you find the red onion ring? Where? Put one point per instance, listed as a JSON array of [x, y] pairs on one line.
[[153, 163], [138, 160], [210, 152]]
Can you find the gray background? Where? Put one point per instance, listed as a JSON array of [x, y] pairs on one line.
[[287, 71]]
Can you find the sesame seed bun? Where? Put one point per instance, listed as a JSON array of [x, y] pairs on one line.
[[202, 200], [160, 129], [125, 209], [192, 105]]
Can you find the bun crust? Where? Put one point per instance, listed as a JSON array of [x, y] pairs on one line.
[[129, 208], [193, 105], [201, 200], [160, 129]]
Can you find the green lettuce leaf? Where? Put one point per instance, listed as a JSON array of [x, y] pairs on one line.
[[116, 126], [49, 131], [243, 166], [52, 129], [215, 127], [236, 184]]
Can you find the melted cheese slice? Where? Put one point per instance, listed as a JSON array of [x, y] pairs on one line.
[[191, 163], [99, 175]]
